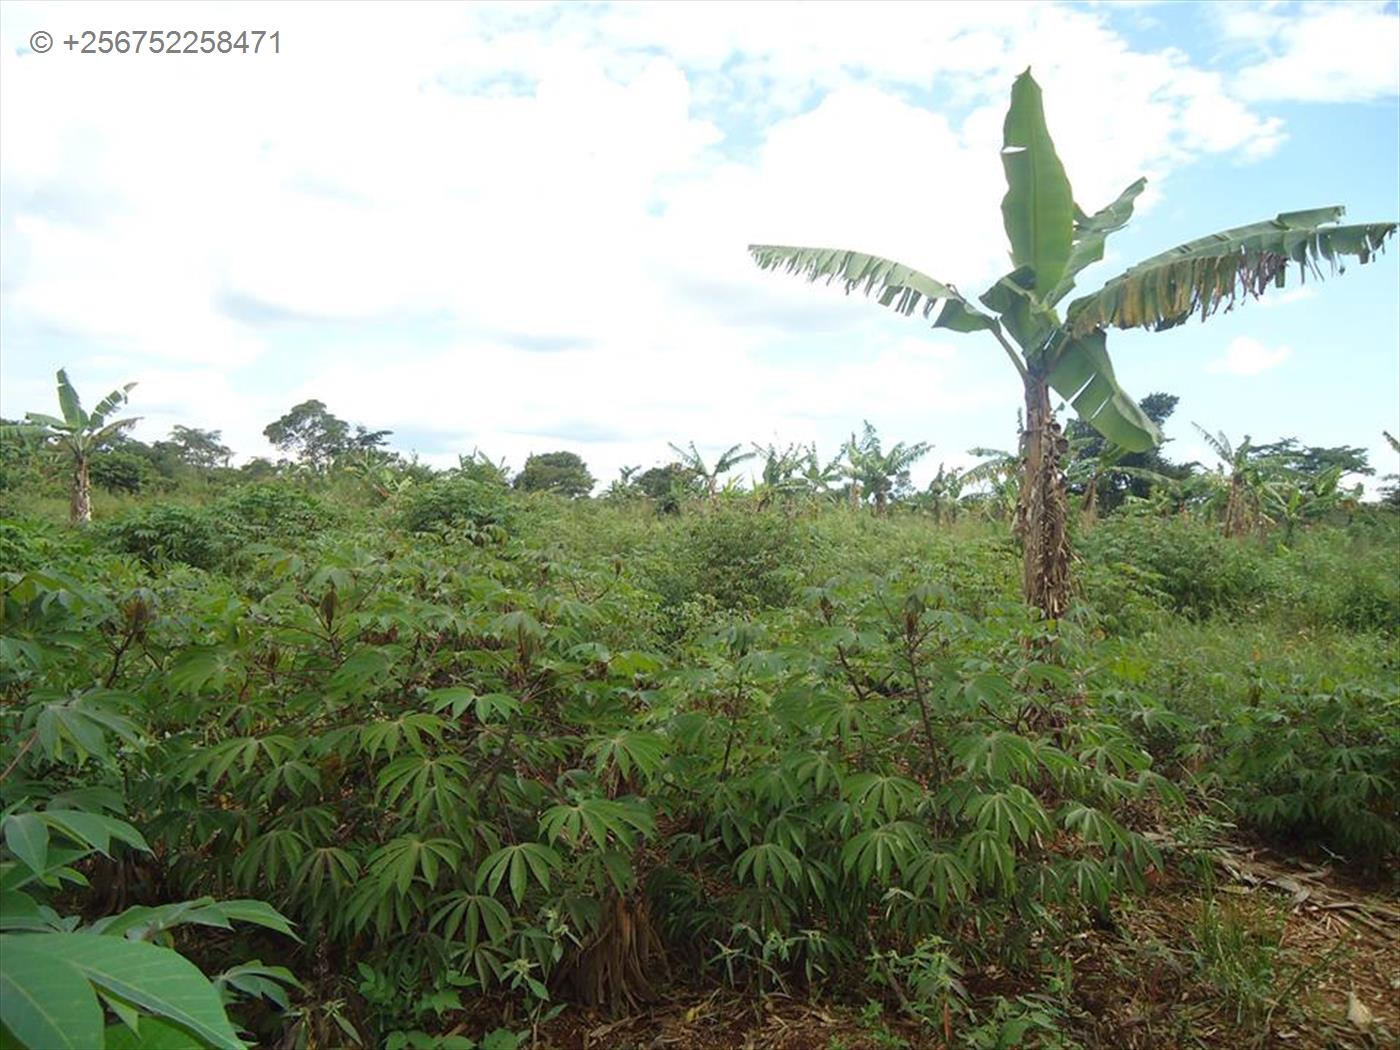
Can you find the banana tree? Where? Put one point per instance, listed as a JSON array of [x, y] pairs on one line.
[[943, 493], [1294, 501], [1390, 495], [780, 478], [1052, 239], [820, 479], [998, 472], [76, 435], [692, 460], [1090, 474], [878, 472], [1245, 480]]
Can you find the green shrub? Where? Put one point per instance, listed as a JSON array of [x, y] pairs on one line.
[[1120, 599], [479, 506], [1314, 764], [1298, 732], [170, 532], [265, 511], [1333, 579], [120, 472], [739, 557], [1198, 570], [25, 543]]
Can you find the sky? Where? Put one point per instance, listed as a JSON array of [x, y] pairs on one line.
[[522, 228]]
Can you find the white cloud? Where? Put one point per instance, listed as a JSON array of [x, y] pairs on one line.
[[1248, 357], [577, 177], [1317, 52]]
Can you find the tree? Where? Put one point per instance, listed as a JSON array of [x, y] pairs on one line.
[[943, 492], [310, 433], [1295, 499], [1106, 474], [77, 435], [625, 486], [1313, 461], [561, 472], [1245, 481], [668, 485], [694, 462], [1052, 240], [201, 449], [880, 473], [1390, 494], [820, 477], [120, 471], [781, 477], [999, 472], [316, 437]]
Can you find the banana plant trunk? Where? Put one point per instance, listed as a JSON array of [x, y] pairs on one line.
[[855, 496], [80, 504], [1091, 499], [1042, 516], [881, 504], [1234, 507]]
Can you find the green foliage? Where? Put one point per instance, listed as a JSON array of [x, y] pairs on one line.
[[317, 437], [740, 557], [455, 502], [63, 976], [668, 485], [882, 474], [201, 449], [269, 511], [27, 543], [1199, 571], [827, 754], [120, 471], [561, 472], [170, 532]]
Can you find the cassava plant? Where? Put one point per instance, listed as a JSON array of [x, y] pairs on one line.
[[1052, 240]]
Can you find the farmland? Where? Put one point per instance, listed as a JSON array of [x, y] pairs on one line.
[[503, 766]]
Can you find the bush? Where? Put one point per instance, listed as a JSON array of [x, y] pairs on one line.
[[739, 557], [169, 532], [120, 472], [266, 511], [455, 502], [1198, 570], [26, 544], [1331, 579]]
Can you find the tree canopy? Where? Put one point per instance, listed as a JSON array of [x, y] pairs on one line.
[[564, 473], [316, 437]]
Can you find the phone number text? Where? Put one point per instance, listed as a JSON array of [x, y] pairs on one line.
[[175, 42]]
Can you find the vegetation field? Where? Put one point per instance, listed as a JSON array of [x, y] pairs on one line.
[[355, 753], [1076, 747]]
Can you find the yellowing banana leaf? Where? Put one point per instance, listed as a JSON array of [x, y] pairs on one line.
[[1204, 275]]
